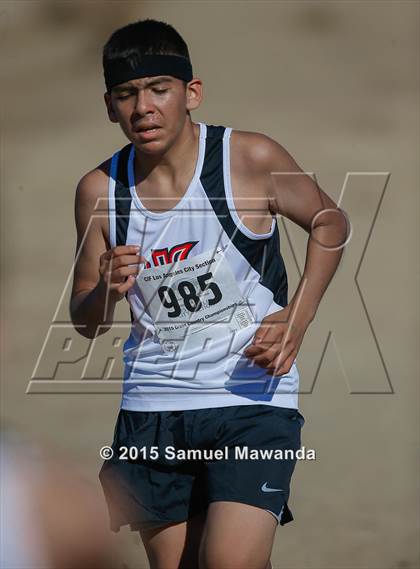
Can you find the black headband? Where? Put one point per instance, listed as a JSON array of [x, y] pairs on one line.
[[120, 71]]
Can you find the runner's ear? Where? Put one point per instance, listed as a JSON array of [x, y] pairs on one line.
[[109, 108]]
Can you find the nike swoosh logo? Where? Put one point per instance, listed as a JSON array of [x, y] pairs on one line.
[[265, 488]]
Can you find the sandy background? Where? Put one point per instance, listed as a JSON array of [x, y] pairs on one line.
[[337, 84]]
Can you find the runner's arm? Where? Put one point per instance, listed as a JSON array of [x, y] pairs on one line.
[[89, 307], [296, 196]]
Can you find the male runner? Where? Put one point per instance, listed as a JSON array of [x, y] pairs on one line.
[[191, 240]]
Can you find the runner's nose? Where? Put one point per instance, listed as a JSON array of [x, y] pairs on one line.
[[143, 104]]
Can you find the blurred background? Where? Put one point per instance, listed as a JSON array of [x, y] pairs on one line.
[[337, 84]]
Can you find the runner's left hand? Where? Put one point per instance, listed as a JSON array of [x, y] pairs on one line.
[[277, 341]]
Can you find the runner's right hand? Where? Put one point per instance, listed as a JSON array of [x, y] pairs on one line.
[[118, 268]]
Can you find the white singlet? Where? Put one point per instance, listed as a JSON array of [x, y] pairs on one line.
[[208, 283]]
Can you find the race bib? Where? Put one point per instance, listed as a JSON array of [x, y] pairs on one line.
[[194, 300]]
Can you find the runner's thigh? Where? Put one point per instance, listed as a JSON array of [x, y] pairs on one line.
[[174, 546], [237, 536]]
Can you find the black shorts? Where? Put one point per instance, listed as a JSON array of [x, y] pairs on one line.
[[154, 478]]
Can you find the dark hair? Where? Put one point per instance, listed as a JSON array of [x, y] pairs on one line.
[[145, 37]]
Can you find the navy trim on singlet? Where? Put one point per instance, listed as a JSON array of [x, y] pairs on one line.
[[122, 201], [262, 254], [122, 197]]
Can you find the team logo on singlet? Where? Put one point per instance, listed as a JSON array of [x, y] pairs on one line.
[[167, 256]]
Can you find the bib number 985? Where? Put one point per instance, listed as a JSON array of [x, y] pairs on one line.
[[189, 295]]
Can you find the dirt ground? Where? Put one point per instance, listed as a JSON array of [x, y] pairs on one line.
[[337, 84]]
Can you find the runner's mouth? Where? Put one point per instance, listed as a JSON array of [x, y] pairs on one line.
[[148, 135], [142, 130]]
